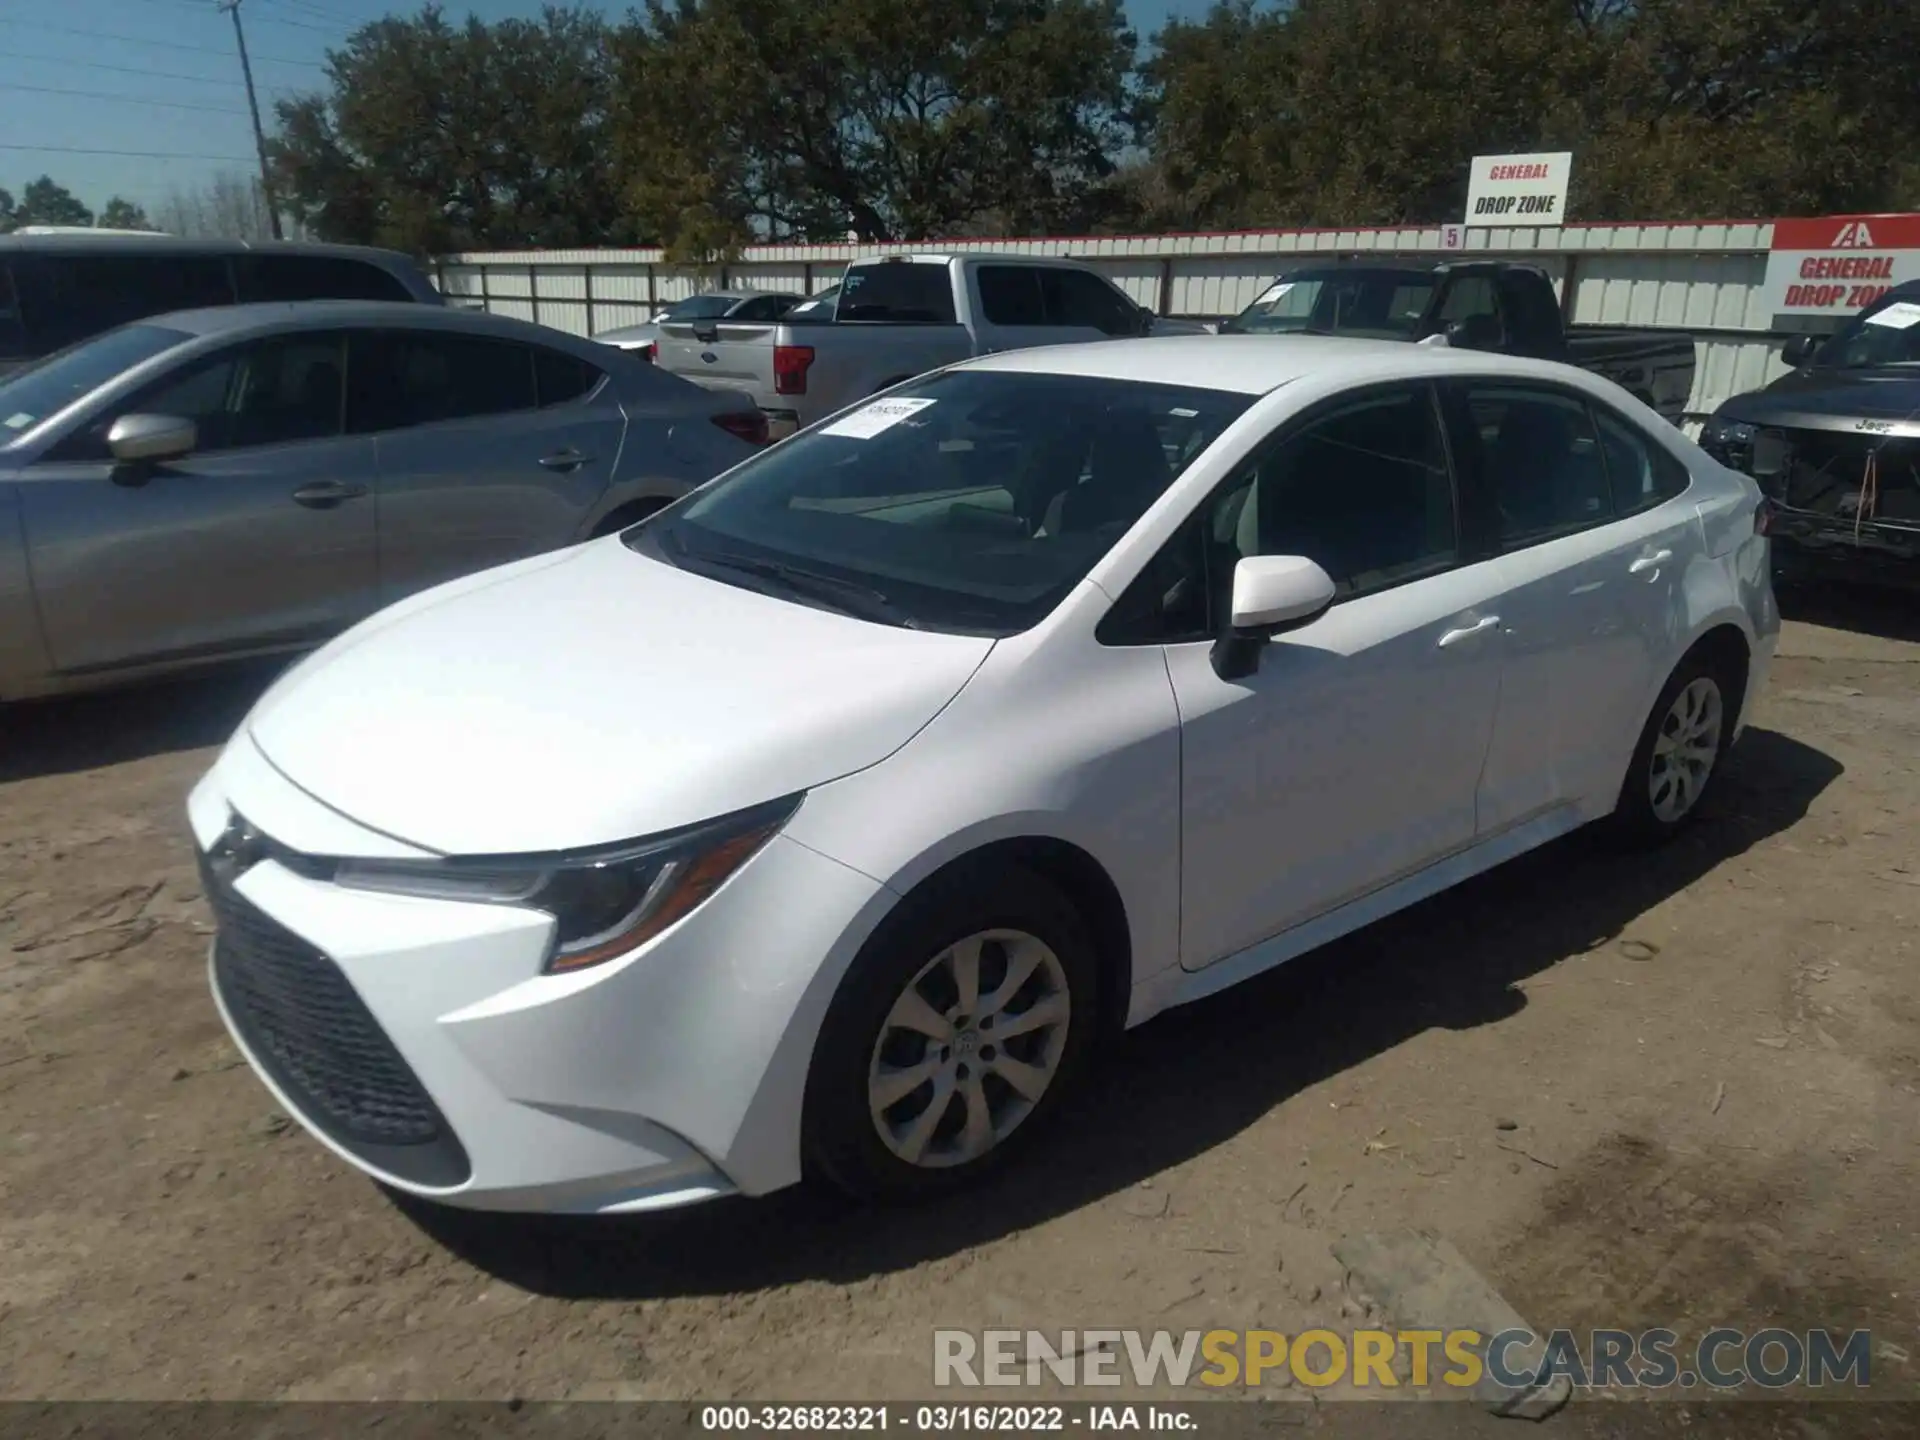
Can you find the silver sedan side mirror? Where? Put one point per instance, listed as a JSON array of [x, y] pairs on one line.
[[135, 438]]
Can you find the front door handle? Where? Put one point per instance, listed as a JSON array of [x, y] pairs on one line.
[[1479, 627], [565, 460], [325, 494], [1649, 562]]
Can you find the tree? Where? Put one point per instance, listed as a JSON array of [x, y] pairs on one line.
[[432, 138], [45, 203], [1366, 112], [231, 206], [123, 215], [6, 210], [893, 119]]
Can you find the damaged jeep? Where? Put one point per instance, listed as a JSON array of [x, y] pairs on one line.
[[1835, 446]]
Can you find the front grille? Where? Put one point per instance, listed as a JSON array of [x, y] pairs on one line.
[[1827, 473], [309, 1029]]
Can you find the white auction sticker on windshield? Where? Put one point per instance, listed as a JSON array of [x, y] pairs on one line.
[[869, 420], [1897, 316], [20, 421], [1274, 292]]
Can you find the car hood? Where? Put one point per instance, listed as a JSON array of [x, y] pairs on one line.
[[1826, 399], [594, 696]]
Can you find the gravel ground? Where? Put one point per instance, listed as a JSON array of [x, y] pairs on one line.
[[1671, 1090]]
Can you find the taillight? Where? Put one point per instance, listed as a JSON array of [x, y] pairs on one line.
[[790, 366], [749, 425], [650, 351]]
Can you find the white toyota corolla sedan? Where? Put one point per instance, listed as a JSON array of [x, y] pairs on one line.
[[831, 820]]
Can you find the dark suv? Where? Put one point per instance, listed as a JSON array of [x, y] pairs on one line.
[[56, 289]]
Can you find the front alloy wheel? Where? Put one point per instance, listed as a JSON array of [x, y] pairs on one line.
[[969, 1048], [960, 1025]]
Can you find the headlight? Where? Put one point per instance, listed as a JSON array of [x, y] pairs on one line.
[[604, 903], [1727, 432]]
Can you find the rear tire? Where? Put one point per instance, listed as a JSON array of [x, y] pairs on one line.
[[919, 1087], [1682, 749]]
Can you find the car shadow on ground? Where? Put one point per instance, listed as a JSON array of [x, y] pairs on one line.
[[1887, 614], [1190, 1080], [110, 727]]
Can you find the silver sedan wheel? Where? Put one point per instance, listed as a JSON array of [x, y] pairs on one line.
[[969, 1048], [1685, 749]]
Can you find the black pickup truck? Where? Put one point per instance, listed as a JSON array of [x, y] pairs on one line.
[[1491, 305], [1835, 445]]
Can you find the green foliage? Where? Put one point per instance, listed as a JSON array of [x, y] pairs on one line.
[[119, 214], [44, 202], [433, 137], [708, 125]]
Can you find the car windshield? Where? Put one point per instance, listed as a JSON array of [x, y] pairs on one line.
[[970, 502], [1383, 304], [1884, 334], [700, 307], [29, 396]]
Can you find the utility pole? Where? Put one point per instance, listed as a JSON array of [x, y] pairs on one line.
[[232, 7]]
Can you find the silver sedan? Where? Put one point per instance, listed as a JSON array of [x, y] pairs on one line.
[[214, 484]]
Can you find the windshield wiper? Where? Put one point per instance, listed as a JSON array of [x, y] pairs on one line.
[[849, 597]]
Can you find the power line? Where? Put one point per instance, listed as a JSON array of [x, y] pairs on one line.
[[334, 30], [126, 99], [160, 44], [123, 154], [223, 81]]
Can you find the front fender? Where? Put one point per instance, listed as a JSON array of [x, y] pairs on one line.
[[24, 662]]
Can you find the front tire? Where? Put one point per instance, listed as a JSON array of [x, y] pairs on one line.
[[1680, 752], [953, 1037]]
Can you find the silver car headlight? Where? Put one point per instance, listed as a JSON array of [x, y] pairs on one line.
[[604, 902]]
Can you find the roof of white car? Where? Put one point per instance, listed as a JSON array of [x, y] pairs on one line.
[[1256, 364]]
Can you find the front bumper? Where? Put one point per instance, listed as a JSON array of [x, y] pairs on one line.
[[419, 1040]]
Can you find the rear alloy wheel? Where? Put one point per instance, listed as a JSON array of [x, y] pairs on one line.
[[955, 1033], [1685, 750], [1678, 755]]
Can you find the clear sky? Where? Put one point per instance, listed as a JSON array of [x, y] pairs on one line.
[[161, 77]]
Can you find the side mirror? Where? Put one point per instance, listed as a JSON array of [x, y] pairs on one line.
[[1271, 593], [139, 439], [1474, 332], [1799, 350], [1147, 317]]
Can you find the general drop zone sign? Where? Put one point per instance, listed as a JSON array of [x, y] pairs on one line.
[[1839, 264], [1519, 189]]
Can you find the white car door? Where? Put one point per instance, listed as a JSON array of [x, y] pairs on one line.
[[1591, 599], [1350, 757]]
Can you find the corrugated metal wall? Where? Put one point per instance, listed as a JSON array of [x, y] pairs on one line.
[[1704, 279]]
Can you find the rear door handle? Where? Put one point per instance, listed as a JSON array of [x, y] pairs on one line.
[[563, 460], [325, 494], [1649, 562], [1479, 627]]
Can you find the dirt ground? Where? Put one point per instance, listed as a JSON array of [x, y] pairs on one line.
[[1674, 1090]]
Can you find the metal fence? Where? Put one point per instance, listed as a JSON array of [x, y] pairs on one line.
[[1703, 279]]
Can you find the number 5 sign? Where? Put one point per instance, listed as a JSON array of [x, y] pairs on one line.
[[1453, 237]]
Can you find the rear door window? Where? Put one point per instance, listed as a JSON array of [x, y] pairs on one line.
[[315, 277], [406, 378], [1540, 462], [64, 298], [559, 377], [903, 291], [1640, 472], [1076, 298], [1011, 295]]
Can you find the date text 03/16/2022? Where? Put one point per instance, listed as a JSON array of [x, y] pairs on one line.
[[945, 1419]]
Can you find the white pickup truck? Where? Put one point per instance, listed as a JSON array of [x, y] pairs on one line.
[[900, 317]]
